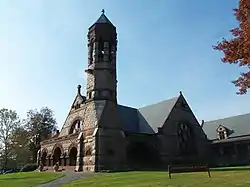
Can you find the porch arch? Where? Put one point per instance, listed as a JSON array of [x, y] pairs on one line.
[[57, 151]]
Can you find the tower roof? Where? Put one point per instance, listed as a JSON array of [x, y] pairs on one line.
[[103, 19]]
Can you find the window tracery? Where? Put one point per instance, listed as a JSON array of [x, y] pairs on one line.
[[77, 126], [186, 139]]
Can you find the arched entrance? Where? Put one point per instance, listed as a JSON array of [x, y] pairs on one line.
[[72, 156], [142, 155], [57, 155], [43, 158]]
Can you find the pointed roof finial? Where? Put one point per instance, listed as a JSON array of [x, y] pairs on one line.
[[102, 19], [79, 89]]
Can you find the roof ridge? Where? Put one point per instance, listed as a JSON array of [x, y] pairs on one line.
[[159, 102], [127, 106], [240, 115]]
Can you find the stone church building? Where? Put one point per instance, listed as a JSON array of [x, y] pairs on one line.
[[100, 134]]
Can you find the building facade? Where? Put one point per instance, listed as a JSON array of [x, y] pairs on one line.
[[229, 140], [99, 134]]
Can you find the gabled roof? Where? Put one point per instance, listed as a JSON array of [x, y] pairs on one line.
[[236, 125], [155, 115], [146, 119]]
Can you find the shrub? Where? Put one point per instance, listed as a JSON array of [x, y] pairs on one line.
[[29, 167]]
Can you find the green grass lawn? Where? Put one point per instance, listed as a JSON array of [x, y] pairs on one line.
[[27, 179], [160, 179]]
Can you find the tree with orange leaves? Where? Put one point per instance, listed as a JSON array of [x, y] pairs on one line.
[[237, 50]]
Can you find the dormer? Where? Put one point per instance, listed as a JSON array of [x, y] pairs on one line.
[[222, 132]]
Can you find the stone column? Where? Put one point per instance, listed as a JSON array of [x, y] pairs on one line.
[[62, 160], [67, 160], [51, 160], [47, 161], [79, 159], [38, 159]]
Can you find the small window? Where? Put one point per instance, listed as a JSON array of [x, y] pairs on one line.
[[88, 151], [89, 95], [221, 135]]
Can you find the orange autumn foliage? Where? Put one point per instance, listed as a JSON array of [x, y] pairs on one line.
[[237, 50]]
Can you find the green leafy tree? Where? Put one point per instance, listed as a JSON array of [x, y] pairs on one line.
[[20, 149], [9, 122], [39, 124]]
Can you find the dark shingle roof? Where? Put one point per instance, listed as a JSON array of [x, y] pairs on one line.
[[237, 125], [146, 119], [103, 19], [155, 115], [129, 118]]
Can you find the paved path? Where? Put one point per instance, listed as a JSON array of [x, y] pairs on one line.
[[69, 176]]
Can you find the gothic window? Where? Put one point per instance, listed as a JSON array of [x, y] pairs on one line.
[[77, 126], [101, 49], [186, 139], [91, 53], [113, 53]]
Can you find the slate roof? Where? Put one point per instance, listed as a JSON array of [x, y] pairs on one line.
[[237, 126], [129, 118], [102, 20], [146, 119]]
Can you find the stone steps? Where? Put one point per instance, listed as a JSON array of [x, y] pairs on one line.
[[61, 168]]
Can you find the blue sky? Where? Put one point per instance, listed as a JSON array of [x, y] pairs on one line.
[[164, 46]]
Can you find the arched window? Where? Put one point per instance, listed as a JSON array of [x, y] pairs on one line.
[[88, 151], [76, 127], [186, 139], [222, 133]]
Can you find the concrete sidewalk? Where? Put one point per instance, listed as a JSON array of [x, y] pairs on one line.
[[69, 176]]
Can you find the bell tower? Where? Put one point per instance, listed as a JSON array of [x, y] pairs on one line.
[[101, 71], [103, 139]]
